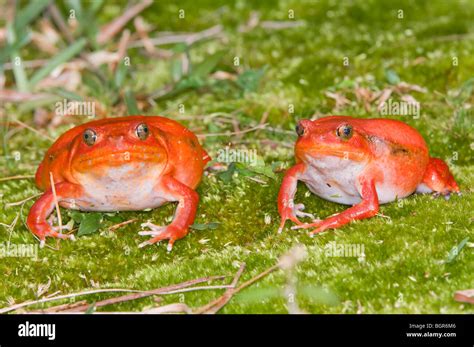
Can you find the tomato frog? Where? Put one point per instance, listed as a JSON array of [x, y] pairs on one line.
[[362, 163], [121, 164]]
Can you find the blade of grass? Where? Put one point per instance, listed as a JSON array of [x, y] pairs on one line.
[[18, 69], [67, 94], [6, 51], [120, 75], [29, 13], [454, 252], [61, 58], [131, 103], [204, 68]]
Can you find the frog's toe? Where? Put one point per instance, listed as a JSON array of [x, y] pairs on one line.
[[153, 228], [316, 223], [170, 233], [157, 238], [446, 195], [59, 229], [57, 235], [298, 210]]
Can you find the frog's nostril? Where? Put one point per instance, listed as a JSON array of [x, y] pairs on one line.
[[299, 129]]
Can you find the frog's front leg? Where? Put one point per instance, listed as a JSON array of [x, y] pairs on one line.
[[184, 216], [37, 220], [286, 204], [365, 209]]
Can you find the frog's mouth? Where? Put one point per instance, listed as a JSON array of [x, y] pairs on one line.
[[89, 161], [307, 154]]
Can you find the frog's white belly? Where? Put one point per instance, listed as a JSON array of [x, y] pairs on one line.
[[336, 179], [122, 188]]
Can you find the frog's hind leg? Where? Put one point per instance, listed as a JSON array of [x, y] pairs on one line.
[[437, 179], [184, 216]]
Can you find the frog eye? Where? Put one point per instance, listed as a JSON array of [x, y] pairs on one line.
[[89, 137], [142, 131], [344, 131], [299, 129]]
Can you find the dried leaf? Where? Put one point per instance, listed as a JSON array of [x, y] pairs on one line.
[[383, 98], [340, 99]]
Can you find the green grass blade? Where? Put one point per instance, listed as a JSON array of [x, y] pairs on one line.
[[18, 69], [454, 252], [61, 58], [29, 13], [131, 103], [204, 68]]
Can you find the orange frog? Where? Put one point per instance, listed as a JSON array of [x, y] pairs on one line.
[[122, 164], [359, 162]]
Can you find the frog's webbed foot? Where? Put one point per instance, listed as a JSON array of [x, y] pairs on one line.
[[154, 229], [292, 212], [52, 220], [159, 233], [57, 235], [446, 195], [185, 212]]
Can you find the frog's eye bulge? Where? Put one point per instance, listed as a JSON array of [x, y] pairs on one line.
[[142, 131], [299, 129], [89, 137], [344, 131]]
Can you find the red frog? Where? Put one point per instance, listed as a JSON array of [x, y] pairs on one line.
[[359, 162], [122, 164]]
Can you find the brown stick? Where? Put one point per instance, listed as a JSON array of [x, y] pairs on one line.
[[19, 177], [33, 129], [171, 308], [60, 308], [124, 298], [119, 225], [16, 203], [122, 49], [230, 133], [465, 296], [56, 204], [188, 38], [217, 304], [16, 96], [136, 293], [210, 308], [60, 297], [110, 30]]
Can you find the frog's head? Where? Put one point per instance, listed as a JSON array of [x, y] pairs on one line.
[[330, 137], [117, 146]]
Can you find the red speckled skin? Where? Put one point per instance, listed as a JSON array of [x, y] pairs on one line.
[[394, 157], [166, 166]]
